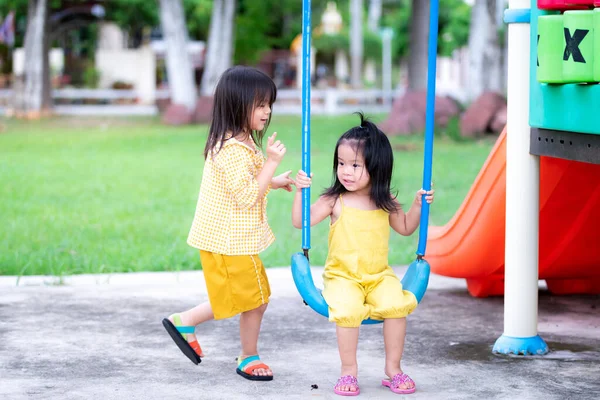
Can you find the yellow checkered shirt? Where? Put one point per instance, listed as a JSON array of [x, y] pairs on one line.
[[230, 219]]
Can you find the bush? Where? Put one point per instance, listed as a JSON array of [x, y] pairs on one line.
[[91, 77]]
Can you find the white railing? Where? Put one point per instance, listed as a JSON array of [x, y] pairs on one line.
[[74, 94], [96, 94], [334, 101], [289, 101]]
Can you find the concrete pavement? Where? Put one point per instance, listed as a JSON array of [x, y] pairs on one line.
[[100, 337]]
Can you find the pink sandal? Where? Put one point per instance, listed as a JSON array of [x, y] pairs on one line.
[[397, 380], [347, 380]]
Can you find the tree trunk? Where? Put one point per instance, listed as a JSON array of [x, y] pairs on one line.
[[356, 43], [34, 96], [179, 66], [501, 6], [228, 36], [219, 55], [374, 15], [417, 56], [485, 56], [209, 77], [47, 82]]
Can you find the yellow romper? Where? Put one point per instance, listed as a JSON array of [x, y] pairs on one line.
[[358, 282]]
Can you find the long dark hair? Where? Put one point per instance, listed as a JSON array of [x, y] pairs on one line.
[[239, 91], [377, 152]]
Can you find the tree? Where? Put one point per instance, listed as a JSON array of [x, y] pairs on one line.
[[220, 44], [210, 75], [33, 95], [271, 24], [417, 58], [485, 56], [20, 7], [454, 20], [356, 42], [46, 21], [132, 16], [197, 14], [179, 66], [135, 15], [228, 35], [374, 15]]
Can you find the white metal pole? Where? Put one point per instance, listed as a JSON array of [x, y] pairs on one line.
[[522, 191], [522, 202]]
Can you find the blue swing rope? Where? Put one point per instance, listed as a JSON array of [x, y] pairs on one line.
[[306, 44], [429, 122]]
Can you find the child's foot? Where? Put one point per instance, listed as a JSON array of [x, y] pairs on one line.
[[347, 385], [179, 320], [180, 334], [399, 382], [250, 367]]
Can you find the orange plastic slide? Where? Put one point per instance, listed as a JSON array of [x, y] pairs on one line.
[[471, 245]]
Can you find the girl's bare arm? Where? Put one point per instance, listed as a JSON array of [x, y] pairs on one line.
[[320, 210]]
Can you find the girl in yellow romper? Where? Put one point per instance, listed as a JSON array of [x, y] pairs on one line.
[[230, 225], [358, 282]]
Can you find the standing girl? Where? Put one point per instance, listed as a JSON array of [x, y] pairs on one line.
[[358, 282], [230, 225]]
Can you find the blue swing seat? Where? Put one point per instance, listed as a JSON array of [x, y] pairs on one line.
[[415, 281]]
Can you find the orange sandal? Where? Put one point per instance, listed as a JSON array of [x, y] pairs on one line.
[[246, 371]]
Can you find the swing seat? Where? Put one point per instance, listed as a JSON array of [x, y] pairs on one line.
[[416, 278], [415, 281]]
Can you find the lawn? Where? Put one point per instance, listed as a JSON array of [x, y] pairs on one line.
[[91, 195]]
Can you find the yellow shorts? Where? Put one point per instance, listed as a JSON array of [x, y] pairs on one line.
[[351, 301], [235, 284]]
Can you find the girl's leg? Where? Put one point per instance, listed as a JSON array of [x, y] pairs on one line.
[[347, 344], [346, 300], [195, 316], [390, 303], [250, 322], [394, 333]]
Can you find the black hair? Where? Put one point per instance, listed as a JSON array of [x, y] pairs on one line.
[[239, 91], [377, 152]]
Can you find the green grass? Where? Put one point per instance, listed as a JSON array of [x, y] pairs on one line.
[[108, 195]]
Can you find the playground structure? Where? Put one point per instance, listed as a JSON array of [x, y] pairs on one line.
[[539, 191]]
